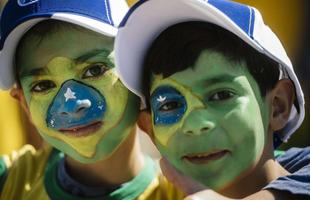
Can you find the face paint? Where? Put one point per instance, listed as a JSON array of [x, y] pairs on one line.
[[75, 99], [217, 139], [76, 105], [162, 99]]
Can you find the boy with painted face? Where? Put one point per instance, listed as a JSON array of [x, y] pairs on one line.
[[222, 94], [60, 54]]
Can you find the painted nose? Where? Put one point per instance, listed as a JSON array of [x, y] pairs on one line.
[[75, 104], [78, 108], [197, 123]]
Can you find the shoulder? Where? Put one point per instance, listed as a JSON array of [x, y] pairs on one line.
[[21, 165], [162, 189], [295, 159], [297, 162]]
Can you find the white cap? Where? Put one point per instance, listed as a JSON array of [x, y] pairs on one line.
[[147, 19], [18, 16]]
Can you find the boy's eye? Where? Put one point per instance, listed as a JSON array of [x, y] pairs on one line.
[[43, 86], [221, 96], [169, 106], [94, 70]]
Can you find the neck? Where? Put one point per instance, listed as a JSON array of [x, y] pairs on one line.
[[123, 165], [255, 178]]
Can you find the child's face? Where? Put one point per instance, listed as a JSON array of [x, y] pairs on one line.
[[210, 121], [75, 99]]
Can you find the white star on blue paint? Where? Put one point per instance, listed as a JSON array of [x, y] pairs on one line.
[[161, 99], [69, 94]]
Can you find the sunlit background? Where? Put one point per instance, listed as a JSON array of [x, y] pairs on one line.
[[289, 19]]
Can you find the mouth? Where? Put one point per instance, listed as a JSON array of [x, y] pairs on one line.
[[205, 158], [83, 130]]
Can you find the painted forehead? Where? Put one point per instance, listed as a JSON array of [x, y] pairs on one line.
[[35, 51]]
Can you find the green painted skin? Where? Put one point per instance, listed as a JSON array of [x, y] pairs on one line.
[[222, 98], [71, 54]]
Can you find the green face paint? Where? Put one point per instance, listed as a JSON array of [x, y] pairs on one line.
[[87, 59], [217, 138]]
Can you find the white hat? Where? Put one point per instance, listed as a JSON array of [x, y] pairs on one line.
[[18, 16], [147, 19]]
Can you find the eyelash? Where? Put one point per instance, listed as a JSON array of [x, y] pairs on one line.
[[103, 69], [41, 83], [216, 96]]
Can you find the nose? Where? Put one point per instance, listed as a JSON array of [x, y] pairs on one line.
[[76, 108], [198, 122]]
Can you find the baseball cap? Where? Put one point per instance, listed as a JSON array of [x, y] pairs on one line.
[[148, 18], [18, 16]]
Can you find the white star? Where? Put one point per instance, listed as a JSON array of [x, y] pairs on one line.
[[161, 99], [69, 94]]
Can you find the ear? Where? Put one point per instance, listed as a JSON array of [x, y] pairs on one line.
[[282, 97], [145, 123], [17, 93]]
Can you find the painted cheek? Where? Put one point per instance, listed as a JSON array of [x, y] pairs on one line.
[[75, 105], [165, 125]]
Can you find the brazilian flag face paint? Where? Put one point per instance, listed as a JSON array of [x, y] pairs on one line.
[[76, 100], [204, 123]]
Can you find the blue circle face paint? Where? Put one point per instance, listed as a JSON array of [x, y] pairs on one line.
[[168, 105], [75, 105]]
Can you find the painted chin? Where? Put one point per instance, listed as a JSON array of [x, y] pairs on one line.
[[83, 130], [206, 157]]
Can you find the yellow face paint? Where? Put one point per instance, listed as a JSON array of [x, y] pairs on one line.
[[60, 58], [223, 131], [164, 132]]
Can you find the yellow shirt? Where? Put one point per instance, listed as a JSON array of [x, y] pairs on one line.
[[29, 175]]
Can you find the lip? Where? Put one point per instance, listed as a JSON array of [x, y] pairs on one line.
[[207, 157], [82, 131]]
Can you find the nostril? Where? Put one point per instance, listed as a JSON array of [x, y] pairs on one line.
[[189, 132], [80, 109], [64, 113], [204, 129]]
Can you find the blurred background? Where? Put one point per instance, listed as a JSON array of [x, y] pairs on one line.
[[289, 19]]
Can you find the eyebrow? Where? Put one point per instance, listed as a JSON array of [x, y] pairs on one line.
[[82, 58], [219, 79], [35, 72], [92, 54]]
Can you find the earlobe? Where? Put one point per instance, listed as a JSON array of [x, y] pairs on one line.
[[282, 97], [145, 123]]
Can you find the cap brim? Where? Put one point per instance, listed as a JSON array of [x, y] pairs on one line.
[[7, 54], [132, 42]]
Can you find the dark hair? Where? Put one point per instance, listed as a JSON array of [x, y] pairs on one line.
[[179, 46]]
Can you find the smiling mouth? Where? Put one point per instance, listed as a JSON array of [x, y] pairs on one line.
[[82, 131], [204, 158]]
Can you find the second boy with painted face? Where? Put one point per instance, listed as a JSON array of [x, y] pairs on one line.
[[220, 90], [60, 55]]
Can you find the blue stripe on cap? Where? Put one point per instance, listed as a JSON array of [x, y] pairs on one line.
[[242, 15], [252, 23], [108, 10], [94, 9], [130, 11]]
